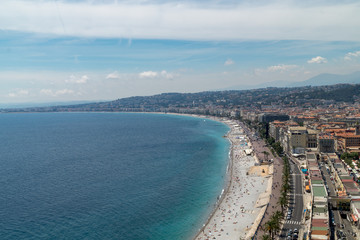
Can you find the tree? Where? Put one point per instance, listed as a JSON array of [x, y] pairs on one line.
[[273, 225], [266, 237], [283, 201], [270, 227]]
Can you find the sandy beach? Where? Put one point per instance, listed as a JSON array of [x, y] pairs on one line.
[[244, 201]]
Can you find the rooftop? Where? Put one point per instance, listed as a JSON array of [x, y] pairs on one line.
[[319, 191]]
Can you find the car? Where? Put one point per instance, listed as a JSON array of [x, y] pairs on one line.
[[288, 217], [296, 230], [342, 226]]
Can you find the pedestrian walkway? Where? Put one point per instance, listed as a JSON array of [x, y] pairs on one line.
[[259, 146], [292, 222]]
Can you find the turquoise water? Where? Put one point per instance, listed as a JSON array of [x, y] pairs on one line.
[[108, 175]]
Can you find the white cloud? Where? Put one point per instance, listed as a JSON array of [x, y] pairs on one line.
[[19, 93], [167, 75], [317, 59], [163, 74], [229, 62], [148, 74], [57, 93], [73, 79], [281, 68], [351, 55], [113, 75], [171, 20]]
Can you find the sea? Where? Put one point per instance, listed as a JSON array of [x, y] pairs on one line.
[[109, 175]]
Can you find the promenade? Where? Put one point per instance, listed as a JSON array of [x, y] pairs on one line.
[[259, 146]]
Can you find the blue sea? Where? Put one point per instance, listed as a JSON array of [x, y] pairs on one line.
[[108, 175]]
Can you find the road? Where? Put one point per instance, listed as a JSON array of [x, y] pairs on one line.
[[295, 202], [334, 212]]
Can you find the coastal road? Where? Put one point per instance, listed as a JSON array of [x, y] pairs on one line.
[[295, 202], [331, 192]]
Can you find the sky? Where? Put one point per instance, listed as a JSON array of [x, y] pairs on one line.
[[75, 50]]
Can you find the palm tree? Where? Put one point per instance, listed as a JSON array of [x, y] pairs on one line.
[[277, 218], [266, 237], [270, 227], [283, 201], [285, 187], [273, 225]]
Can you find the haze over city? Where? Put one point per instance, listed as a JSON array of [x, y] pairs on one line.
[[76, 50]]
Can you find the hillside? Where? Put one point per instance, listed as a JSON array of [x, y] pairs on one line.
[[296, 96]]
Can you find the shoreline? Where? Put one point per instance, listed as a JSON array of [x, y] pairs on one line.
[[229, 173], [236, 174], [217, 226]]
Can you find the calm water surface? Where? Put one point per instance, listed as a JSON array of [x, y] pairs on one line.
[[108, 175]]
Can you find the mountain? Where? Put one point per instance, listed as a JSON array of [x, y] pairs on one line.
[[35, 104], [319, 80], [328, 79]]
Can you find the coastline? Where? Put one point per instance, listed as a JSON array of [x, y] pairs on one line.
[[243, 201], [242, 204]]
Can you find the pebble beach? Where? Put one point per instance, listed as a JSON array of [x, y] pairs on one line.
[[243, 203]]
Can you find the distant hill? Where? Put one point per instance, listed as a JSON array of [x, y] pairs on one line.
[[329, 79], [215, 102], [319, 80], [35, 104]]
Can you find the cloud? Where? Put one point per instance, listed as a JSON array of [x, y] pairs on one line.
[[19, 93], [148, 74], [167, 75], [187, 20], [73, 79], [229, 62], [113, 75], [274, 69], [351, 55], [281, 68], [162, 74], [57, 93], [317, 59]]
